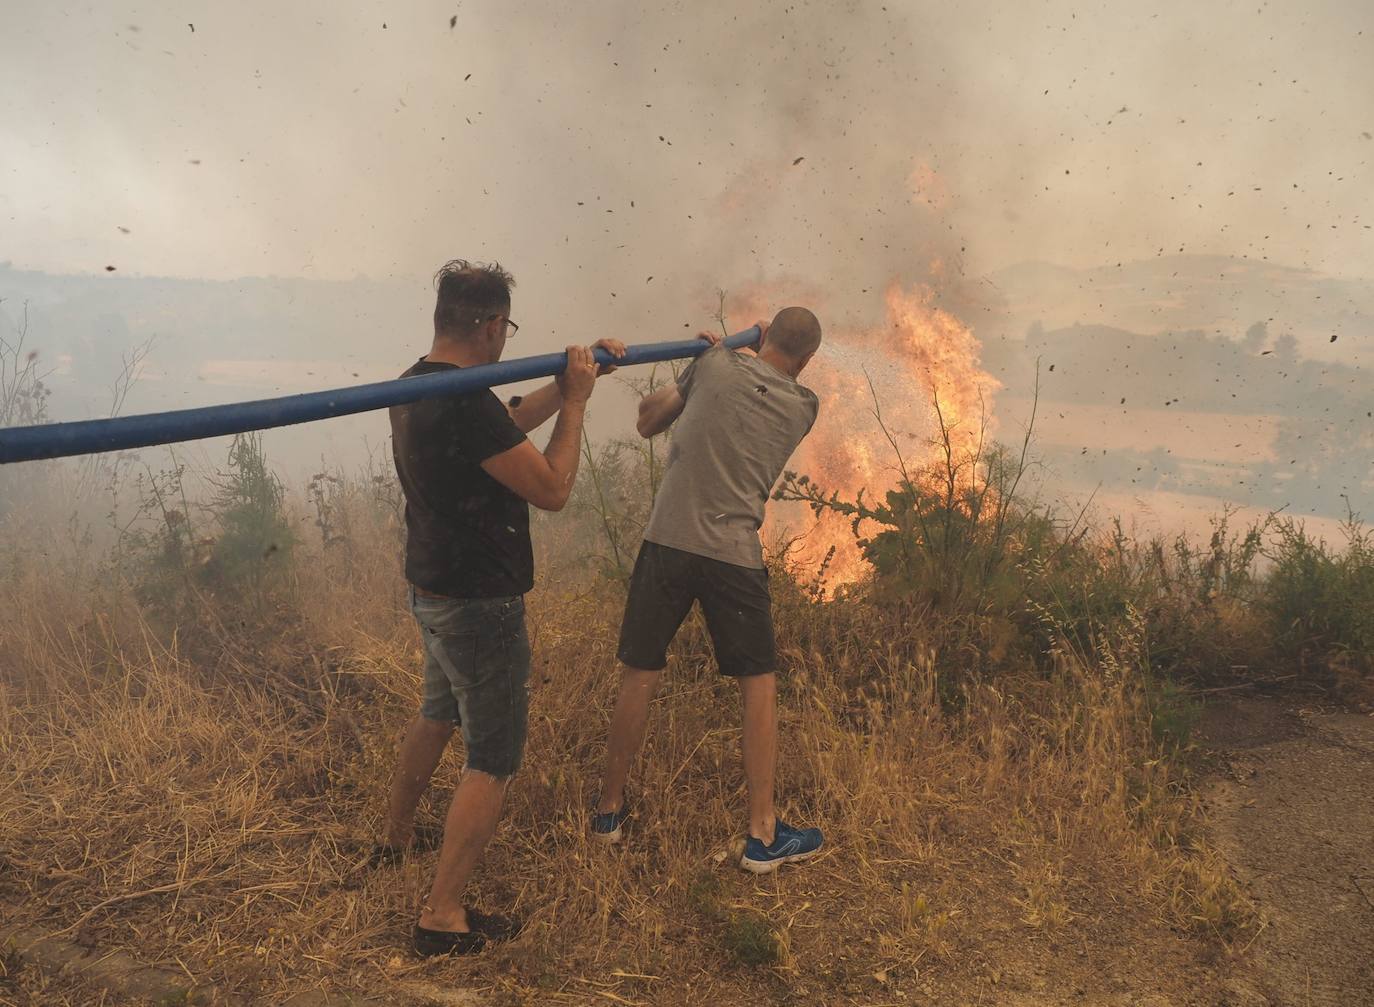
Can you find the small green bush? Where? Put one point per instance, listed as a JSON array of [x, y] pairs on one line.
[[1174, 715], [749, 939], [255, 534], [1320, 603]]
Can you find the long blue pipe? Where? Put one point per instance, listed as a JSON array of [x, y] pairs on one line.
[[59, 440]]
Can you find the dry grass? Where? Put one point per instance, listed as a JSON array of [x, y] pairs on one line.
[[201, 787]]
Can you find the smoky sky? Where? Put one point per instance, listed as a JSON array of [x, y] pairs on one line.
[[589, 147]]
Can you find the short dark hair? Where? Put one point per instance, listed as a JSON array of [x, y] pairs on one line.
[[796, 332], [469, 293]]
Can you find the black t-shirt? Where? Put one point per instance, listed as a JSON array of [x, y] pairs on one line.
[[467, 536]]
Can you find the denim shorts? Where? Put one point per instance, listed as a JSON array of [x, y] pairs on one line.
[[477, 673]]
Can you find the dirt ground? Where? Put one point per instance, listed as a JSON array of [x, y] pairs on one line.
[[1289, 790], [1291, 803]]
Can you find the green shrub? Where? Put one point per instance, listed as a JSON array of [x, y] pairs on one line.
[[746, 936], [157, 549], [749, 939], [254, 533], [1174, 715], [1320, 602]]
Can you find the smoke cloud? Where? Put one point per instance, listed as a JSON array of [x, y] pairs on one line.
[[313, 140]]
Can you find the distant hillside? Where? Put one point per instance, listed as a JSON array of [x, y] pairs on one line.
[[1208, 376], [1191, 370], [1212, 294], [1247, 419]]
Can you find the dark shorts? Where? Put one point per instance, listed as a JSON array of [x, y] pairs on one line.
[[477, 673], [734, 599]]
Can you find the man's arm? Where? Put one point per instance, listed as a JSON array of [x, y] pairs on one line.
[[658, 410], [533, 410], [546, 479]]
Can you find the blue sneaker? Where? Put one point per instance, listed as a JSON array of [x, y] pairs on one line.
[[606, 825], [789, 845]]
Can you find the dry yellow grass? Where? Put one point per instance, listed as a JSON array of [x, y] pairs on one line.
[[202, 789]]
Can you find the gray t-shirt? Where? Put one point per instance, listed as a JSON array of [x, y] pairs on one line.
[[742, 420]]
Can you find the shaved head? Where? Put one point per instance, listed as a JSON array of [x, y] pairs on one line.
[[795, 333]]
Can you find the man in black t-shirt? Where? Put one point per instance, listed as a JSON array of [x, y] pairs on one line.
[[467, 535], [469, 474]]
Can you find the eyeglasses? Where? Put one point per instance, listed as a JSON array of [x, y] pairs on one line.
[[514, 329]]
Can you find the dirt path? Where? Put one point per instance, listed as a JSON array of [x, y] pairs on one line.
[[1292, 806]]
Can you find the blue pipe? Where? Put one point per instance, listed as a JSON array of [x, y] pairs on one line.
[[60, 440]]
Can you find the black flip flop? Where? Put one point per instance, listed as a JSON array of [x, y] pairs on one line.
[[484, 927]]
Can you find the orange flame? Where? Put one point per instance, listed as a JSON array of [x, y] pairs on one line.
[[899, 370]]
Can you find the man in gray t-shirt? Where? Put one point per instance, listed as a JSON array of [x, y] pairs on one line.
[[739, 415], [741, 421]]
